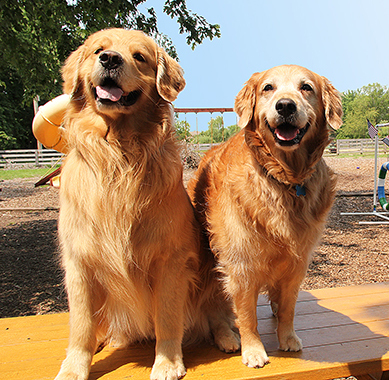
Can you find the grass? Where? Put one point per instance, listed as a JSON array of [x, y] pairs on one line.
[[23, 173]]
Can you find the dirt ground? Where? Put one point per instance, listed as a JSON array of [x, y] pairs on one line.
[[31, 277]]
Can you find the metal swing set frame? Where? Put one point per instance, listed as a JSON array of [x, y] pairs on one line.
[[383, 215]]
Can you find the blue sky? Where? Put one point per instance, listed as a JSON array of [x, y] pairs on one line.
[[347, 41]]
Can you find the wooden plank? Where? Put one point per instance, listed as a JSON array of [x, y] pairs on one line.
[[339, 292], [345, 291], [341, 304], [17, 334], [34, 321], [346, 332], [325, 319], [27, 351], [36, 340], [207, 362]]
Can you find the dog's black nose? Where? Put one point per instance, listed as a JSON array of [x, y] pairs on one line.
[[110, 59], [286, 107]]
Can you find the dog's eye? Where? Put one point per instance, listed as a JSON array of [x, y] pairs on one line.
[[139, 57], [99, 50], [306, 87], [268, 87]]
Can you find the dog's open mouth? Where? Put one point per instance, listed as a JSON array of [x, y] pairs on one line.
[[109, 93], [287, 134]]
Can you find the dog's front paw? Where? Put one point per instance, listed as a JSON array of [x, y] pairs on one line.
[[71, 375], [76, 366], [291, 343], [165, 369], [255, 357]]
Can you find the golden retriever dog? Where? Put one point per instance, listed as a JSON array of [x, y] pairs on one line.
[[130, 244], [263, 196]]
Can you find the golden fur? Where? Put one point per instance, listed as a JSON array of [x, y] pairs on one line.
[[130, 242], [261, 231]]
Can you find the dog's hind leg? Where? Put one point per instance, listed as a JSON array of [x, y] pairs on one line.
[[221, 324]]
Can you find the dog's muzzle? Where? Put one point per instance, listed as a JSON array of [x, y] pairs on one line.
[[286, 133], [109, 92]]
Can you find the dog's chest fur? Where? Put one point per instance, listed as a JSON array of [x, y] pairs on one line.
[[257, 223], [113, 221]]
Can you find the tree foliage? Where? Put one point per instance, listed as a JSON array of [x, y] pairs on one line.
[[14, 116], [37, 36], [216, 132], [194, 25], [183, 130], [370, 102]]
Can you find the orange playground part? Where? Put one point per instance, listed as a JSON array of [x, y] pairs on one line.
[[47, 123]]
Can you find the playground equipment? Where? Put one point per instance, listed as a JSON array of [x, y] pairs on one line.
[[381, 188], [47, 123], [379, 181], [48, 130], [196, 111]]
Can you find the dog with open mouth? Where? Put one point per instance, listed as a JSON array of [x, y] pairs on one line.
[[263, 196], [134, 265], [106, 75]]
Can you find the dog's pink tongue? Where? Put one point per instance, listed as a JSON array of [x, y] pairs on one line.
[[111, 93], [286, 134]]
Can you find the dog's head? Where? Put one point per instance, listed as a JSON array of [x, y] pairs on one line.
[[118, 71], [288, 106]]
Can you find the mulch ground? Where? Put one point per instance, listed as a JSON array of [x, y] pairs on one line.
[[31, 277]]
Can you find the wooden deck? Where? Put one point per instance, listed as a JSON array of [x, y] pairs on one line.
[[345, 331]]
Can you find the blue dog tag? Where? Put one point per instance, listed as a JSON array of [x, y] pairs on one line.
[[300, 190]]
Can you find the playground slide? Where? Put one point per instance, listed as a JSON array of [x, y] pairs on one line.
[[47, 124]]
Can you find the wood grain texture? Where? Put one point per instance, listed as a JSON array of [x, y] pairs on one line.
[[345, 331]]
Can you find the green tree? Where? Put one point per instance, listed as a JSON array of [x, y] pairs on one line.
[[15, 115], [231, 130], [216, 131], [370, 102], [183, 130], [37, 36]]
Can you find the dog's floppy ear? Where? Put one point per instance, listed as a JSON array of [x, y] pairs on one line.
[[332, 104], [245, 101], [170, 76], [70, 71]]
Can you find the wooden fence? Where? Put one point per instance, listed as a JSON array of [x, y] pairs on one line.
[[11, 159], [362, 146], [357, 146]]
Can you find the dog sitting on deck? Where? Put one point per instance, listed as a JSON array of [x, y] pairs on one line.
[[263, 196], [134, 268]]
